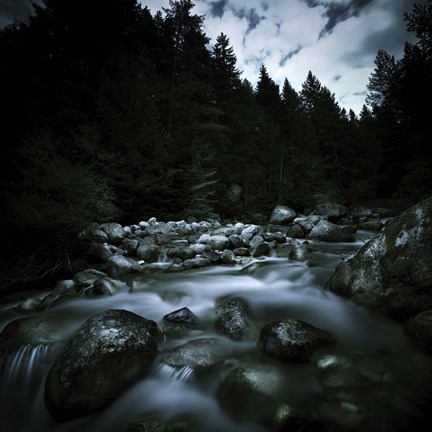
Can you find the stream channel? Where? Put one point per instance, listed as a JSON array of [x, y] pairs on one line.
[[371, 379]]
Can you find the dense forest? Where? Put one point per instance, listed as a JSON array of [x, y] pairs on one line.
[[113, 114]]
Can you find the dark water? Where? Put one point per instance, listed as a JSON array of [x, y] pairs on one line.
[[371, 379]]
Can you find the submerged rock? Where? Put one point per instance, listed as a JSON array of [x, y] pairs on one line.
[[110, 352], [183, 316], [392, 273], [149, 421], [419, 329], [292, 340], [199, 354], [33, 330], [249, 392]]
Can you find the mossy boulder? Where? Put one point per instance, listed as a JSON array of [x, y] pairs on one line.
[[392, 273]]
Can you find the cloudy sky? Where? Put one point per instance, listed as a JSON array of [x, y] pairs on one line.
[[336, 39]]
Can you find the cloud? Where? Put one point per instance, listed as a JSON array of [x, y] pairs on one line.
[[337, 77], [217, 8], [289, 56], [337, 12], [251, 16]]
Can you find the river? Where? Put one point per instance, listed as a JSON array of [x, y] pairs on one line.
[[377, 386]]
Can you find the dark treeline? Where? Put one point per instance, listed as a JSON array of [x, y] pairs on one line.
[[114, 114]]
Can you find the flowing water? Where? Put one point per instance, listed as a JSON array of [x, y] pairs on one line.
[[380, 383]]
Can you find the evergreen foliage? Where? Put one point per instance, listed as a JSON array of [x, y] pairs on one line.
[[115, 114]]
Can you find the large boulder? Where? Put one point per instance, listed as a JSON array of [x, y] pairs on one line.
[[219, 242], [292, 340], [282, 215], [392, 273], [109, 353], [329, 232]]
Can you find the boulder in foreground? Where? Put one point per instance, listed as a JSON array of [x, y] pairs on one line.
[[109, 353], [392, 273]]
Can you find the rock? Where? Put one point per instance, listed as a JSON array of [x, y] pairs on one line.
[[199, 248], [259, 250], [289, 418], [195, 263], [300, 252], [241, 251], [237, 241], [200, 355], [248, 392], [295, 231], [114, 231], [233, 319], [182, 252], [291, 340], [130, 246], [256, 240], [308, 222], [86, 278], [109, 353], [228, 257], [32, 330], [119, 266], [99, 251], [329, 232], [419, 329], [218, 242], [392, 273], [152, 221], [183, 422], [104, 286], [332, 210], [224, 231], [149, 421], [360, 212], [250, 231], [204, 238], [183, 316], [93, 233], [282, 215], [149, 253], [64, 287], [238, 228], [213, 256]]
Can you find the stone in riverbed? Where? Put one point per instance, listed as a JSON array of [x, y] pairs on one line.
[[329, 232], [249, 392], [332, 210], [109, 353], [114, 231], [183, 316], [419, 329], [282, 215], [219, 242], [292, 340], [200, 355], [392, 273], [119, 266], [233, 319], [87, 277], [149, 253], [260, 249]]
